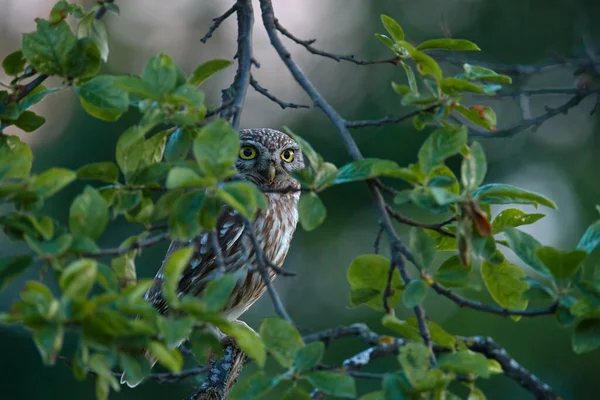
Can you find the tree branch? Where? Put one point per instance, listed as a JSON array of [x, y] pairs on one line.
[[475, 305], [389, 119], [218, 21], [274, 99], [235, 95], [351, 58], [511, 367], [140, 244], [537, 121]]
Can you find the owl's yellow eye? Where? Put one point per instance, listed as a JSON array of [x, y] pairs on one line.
[[287, 155], [247, 153]]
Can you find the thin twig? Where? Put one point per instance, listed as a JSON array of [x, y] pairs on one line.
[[140, 244], [475, 305], [214, 242], [378, 238], [274, 99], [217, 21], [407, 221], [537, 121], [389, 119], [262, 269], [337, 57]]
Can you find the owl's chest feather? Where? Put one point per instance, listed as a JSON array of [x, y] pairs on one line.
[[275, 225]]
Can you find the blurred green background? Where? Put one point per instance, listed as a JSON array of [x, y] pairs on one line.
[[560, 160]]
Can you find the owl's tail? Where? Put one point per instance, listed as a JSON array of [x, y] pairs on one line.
[[133, 383]]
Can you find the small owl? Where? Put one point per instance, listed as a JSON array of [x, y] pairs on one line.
[[266, 158]]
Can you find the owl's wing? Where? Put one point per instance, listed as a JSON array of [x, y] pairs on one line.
[[202, 266]]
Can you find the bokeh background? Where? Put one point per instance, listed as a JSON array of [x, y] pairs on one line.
[[560, 160]]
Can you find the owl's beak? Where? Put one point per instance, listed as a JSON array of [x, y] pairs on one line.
[[271, 173]]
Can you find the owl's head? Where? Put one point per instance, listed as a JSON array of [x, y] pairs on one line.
[[267, 157]]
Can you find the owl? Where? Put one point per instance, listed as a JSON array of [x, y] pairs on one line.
[[266, 158]]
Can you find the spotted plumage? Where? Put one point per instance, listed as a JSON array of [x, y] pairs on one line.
[[266, 159]]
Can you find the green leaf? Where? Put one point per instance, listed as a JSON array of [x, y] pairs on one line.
[[513, 217], [101, 171], [248, 340], [77, 279], [281, 339], [387, 41], [252, 387], [485, 74], [49, 340], [296, 393], [371, 272], [452, 273], [438, 334], [425, 64], [378, 395], [393, 28], [203, 345], [506, 285], [170, 359], [206, 70], [174, 330], [448, 44], [135, 85], [218, 291], [474, 167], [135, 367], [586, 336], [95, 29], [311, 210], [561, 264], [14, 63], [54, 247], [51, 181], [363, 295], [243, 197], [48, 48], [174, 267], [499, 193], [481, 115], [15, 158], [422, 246], [591, 238], [414, 293], [309, 356], [465, 362], [454, 86], [414, 359], [525, 247], [368, 168], [101, 98], [85, 60], [161, 74], [183, 221], [180, 177], [178, 145], [402, 327], [88, 215], [11, 268], [216, 148], [441, 144], [29, 121], [333, 383]]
